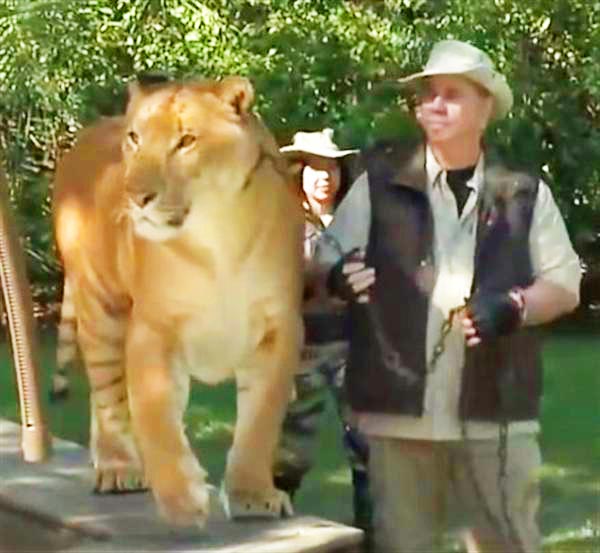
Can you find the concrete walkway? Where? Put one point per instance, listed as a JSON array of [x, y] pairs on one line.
[[50, 507]]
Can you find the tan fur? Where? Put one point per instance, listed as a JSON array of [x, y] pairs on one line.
[[182, 246]]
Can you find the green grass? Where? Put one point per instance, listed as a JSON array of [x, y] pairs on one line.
[[570, 513], [570, 439]]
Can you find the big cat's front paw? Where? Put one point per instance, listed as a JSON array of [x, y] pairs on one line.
[[271, 503], [187, 504], [119, 480], [117, 465]]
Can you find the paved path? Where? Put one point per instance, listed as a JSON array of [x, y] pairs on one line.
[[49, 507]]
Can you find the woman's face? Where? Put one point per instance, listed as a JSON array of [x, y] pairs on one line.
[[321, 179]]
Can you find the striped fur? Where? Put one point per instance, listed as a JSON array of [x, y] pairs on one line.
[[182, 247], [67, 353]]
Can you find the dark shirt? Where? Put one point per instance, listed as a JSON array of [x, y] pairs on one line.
[[457, 181]]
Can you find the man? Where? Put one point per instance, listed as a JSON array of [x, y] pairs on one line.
[[448, 395], [323, 170]]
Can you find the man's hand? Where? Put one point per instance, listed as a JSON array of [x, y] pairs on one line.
[[491, 314], [350, 278]]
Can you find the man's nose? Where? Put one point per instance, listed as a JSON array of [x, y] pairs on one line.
[[437, 102]]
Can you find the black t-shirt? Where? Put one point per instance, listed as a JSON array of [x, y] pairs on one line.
[[457, 181]]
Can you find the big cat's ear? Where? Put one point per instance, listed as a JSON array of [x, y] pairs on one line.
[[145, 83], [133, 89], [237, 91]]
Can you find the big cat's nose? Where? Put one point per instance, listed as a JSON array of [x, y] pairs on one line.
[[177, 219], [142, 199]]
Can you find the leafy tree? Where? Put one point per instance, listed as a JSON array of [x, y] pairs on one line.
[[313, 62]]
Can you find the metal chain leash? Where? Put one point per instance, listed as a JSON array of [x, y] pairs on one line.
[[502, 484], [502, 480], [445, 329], [438, 350], [391, 358]]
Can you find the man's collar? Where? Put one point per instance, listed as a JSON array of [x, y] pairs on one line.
[[326, 218], [435, 172], [413, 165]]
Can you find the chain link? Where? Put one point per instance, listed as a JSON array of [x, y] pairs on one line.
[[438, 350], [502, 483], [445, 329]]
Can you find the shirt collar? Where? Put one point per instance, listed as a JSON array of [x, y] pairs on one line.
[[435, 173], [326, 219]]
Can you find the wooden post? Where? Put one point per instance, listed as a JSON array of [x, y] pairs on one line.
[[18, 304]]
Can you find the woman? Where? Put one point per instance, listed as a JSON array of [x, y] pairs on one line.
[[323, 170]]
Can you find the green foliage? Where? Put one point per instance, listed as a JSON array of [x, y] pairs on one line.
[[313, 63]]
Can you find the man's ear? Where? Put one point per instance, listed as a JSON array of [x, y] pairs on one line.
[[489, 112], [237, 91]]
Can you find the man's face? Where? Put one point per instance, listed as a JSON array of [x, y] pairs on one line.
[[451, 107], [321, 179]]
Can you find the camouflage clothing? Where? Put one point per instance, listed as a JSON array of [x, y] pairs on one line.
[[321, 373]]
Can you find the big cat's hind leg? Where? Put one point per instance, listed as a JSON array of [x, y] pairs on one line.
[[101, 330]]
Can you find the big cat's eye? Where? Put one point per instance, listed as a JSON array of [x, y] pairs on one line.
[[133, 138], [185, 141]]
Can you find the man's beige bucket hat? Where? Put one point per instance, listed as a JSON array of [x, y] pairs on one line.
[[453, 57]]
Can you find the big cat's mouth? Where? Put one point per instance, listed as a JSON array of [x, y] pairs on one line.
[[158, 226]]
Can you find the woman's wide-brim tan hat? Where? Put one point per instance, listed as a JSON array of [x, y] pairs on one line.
[[318, 143], [453, 57]]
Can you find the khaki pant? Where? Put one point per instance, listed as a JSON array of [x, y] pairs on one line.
[[423, 489]]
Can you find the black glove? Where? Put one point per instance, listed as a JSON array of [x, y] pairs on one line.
[[494, 313], [338, 283]]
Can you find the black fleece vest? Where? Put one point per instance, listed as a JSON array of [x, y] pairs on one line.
[[387, 363]]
